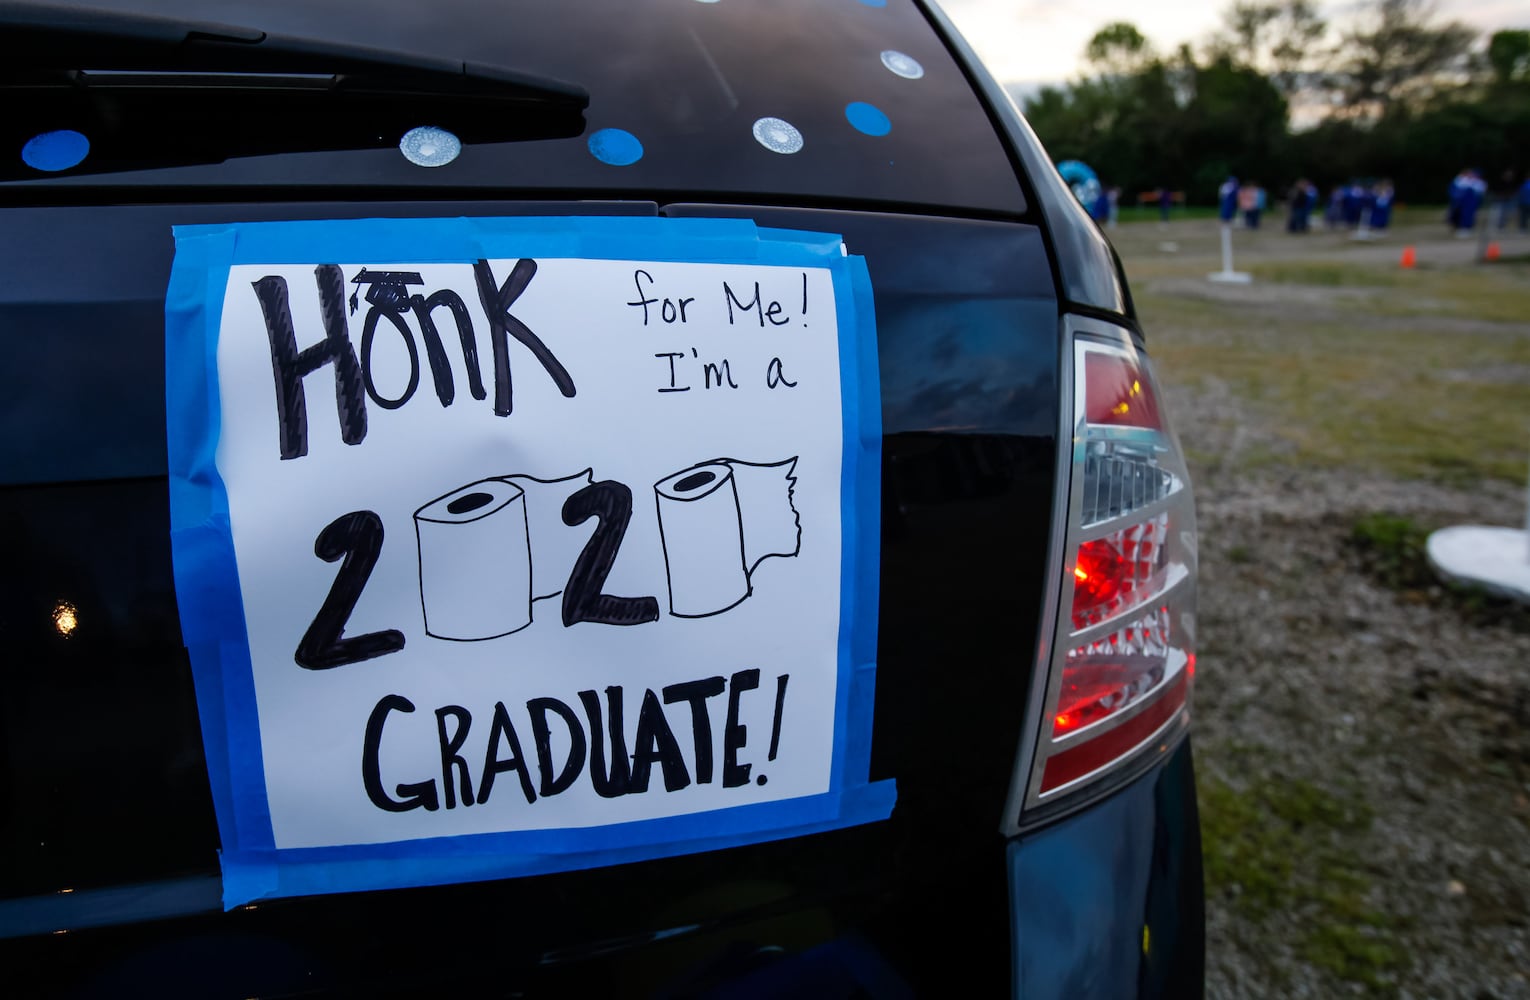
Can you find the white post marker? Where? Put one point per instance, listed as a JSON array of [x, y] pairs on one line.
[[1495, 559], [1363, 232], [1227, 274]]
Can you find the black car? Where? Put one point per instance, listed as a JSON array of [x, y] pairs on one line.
[[594, 498]]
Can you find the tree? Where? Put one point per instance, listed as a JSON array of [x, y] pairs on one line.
[[1143, 122], [1508, 54], [1423, 103], [1282, 38], [1235, 122], [1396, 58], [1118, 49]]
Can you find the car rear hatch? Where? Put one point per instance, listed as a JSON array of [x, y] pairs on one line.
[[107, 817]]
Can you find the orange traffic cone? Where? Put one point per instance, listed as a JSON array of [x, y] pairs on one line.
[[1492, 252], [1409, 258]]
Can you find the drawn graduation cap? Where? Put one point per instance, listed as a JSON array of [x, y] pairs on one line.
[[386, 289]]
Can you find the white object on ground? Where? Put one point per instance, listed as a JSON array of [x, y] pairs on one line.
[[1495, 559], [1227, 274]]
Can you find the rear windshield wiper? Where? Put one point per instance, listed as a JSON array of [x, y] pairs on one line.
[[150, 92]]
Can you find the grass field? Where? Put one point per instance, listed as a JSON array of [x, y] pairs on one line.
[[1348, 358], [1362, 732]]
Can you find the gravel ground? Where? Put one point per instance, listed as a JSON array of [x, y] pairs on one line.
[[1363, 752], [1313, 670]]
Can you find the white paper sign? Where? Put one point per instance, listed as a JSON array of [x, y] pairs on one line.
[[587, 575]]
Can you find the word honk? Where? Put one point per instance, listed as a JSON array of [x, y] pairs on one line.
[[388, 295]]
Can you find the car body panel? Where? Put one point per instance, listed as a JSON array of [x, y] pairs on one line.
[[1109, 901], [972, 266]]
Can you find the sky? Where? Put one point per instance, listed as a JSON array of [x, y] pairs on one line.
[[1032, 42]]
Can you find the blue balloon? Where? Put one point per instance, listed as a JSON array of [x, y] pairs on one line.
[[1075, 172]]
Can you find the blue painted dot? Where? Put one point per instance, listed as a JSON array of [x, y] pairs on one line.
[[875, 3], [867, 118], [55, 150], [616, 146]]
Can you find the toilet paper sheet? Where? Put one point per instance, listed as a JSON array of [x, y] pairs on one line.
[[719, 519]]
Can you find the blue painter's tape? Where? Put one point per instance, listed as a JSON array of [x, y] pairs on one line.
[[861, 579], [453, 240], [400, 866], [212, 609], [260, 876], [207, 578]]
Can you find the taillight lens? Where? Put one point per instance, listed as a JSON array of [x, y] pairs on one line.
[[1116, 394], [1119, 667]]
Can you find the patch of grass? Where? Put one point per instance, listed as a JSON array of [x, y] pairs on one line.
[[1353, 390], [1326, 274], [1419, 215], [1394, 550], [1179, 213], [1243, 852], [1452, 470], [1425, 377], [1284, 846], [1360, 953], [1497, 293]]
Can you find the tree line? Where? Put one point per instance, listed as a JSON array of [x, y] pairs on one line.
[[1278, 93]]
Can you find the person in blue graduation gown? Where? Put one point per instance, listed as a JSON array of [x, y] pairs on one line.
[[1227, 200], [1473, 189], [1381, 205]]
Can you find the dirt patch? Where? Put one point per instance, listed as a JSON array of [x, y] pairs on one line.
[[1362, 739], [1407, 728], [1259, 294]]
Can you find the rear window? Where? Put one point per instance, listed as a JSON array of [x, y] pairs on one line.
[[851, 101]]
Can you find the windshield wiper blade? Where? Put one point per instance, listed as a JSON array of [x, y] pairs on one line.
[[154, 92], [48, 38]]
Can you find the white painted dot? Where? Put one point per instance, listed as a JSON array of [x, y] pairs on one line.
[[777, 135], [428, 146], [901, 65]]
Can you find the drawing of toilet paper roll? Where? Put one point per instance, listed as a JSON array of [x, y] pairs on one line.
[[718, 520], [554, 544], [475, 562]]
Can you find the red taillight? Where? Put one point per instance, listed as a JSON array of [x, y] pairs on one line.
[[1098, 578], [1091, 692], [1114, 573], [1067, 766], [1117, 394], [1120, 665]]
